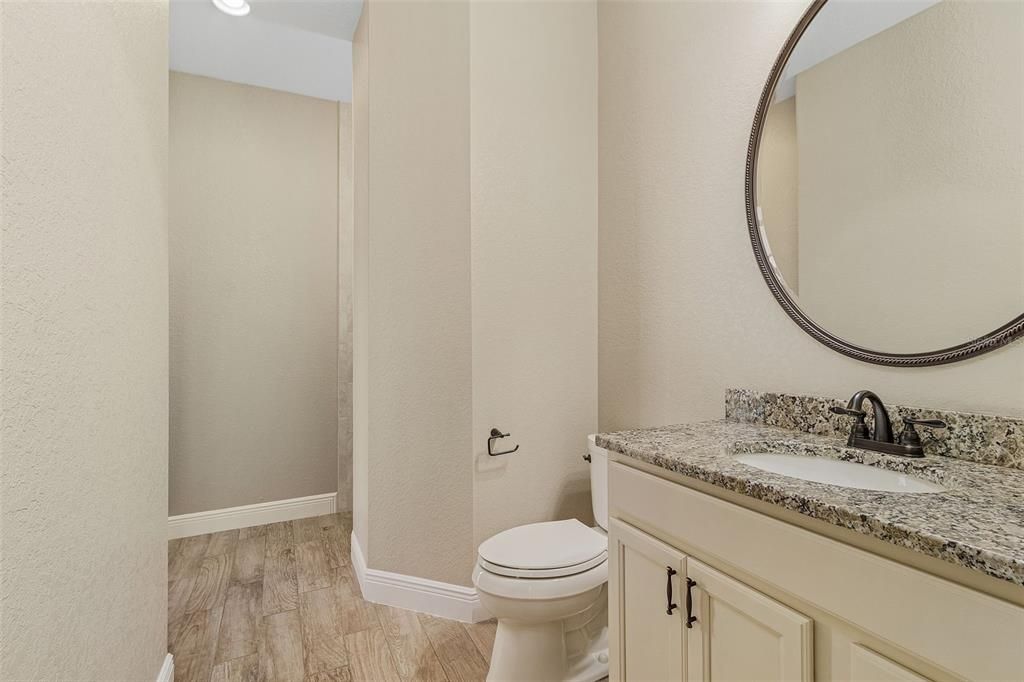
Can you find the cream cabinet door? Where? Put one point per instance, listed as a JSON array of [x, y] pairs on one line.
[[740, 634], [645, 607], [867, 666]]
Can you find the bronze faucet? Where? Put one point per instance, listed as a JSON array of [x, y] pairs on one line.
[[909, 442]]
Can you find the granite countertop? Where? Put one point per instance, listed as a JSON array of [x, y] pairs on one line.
[[977, 522]]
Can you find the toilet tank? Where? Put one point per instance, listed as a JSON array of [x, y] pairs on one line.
[[598, 482]]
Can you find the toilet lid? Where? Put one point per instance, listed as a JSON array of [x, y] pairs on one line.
[[554, 548]]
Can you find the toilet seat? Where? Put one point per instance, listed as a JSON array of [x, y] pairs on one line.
[[536, 573], [551, 549], [522, 590]]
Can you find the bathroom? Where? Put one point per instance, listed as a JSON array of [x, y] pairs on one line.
[[566, 220]]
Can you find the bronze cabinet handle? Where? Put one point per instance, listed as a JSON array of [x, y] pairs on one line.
[[690, 618], [669, 571]]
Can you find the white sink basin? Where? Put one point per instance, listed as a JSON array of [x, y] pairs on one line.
[[837, 472]]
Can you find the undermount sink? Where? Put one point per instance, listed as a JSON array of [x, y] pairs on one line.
[[838, 472]]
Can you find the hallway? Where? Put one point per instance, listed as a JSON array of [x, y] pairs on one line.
[[281, 602]]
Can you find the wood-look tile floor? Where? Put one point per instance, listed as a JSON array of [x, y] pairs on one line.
[[280, 603]]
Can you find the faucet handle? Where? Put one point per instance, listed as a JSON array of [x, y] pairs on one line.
[[860, 428], [847, 412], [927, 423], [910, 436]]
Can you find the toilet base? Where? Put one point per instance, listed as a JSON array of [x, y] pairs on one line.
[[570, 650]]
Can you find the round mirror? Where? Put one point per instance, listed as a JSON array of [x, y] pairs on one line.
[[885, 177]]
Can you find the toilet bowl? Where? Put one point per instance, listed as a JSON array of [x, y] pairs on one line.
[[546, 583]]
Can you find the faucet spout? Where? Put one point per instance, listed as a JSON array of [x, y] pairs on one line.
[[883, 425]]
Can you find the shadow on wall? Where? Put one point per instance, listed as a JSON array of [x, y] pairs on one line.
[[574, 501]]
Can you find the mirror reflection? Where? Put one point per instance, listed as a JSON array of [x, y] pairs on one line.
[[889, 185]]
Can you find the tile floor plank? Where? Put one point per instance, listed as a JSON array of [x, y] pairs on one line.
[[369, 656], [178, 593], [339, 675], [211, 583], [410, 647], [242, 622], [193, 642], [337, 546], [222, 542], [311, 566], [243, 669], [307, 529], [356, 614], [323, 638], [281, 648], [482, 635], [250, 553], [222, 627], [187, 554], [192, 668], [280, 586], [252, 532], [194, 634], [455, 649]]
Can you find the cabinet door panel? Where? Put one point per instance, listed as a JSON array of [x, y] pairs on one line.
[[648, 642], [867, 666], [740, 634]]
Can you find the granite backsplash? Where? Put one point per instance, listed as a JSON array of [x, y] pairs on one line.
[[982, 438]]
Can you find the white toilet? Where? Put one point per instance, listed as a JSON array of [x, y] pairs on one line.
[[546, 583]]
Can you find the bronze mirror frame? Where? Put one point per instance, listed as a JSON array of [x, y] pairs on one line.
[[982, 344]]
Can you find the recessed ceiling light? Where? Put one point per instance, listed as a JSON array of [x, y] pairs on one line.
[[236, 8]]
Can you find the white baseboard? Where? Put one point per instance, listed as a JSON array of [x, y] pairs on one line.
[[166, 670], [454, 602], [250, 515]]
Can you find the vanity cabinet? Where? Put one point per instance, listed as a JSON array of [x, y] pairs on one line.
[[645, 573], [733, 633], [774, 601], [740, 634], [865, 664]]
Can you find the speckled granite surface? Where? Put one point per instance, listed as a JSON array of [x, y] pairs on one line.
[[976, 437], [977, 522]]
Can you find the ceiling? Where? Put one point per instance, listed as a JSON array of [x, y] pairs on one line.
[[298, 46], [334, 18], [841, 25]]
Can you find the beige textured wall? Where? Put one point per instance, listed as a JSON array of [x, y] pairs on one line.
[[360, 277], [83, 315], [534, 248], [920, 152], [344, 306], [475, 296], [684, 312], [254, 294], [778, 177], [413, 443]]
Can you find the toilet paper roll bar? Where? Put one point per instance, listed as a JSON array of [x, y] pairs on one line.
[[495, 435]]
